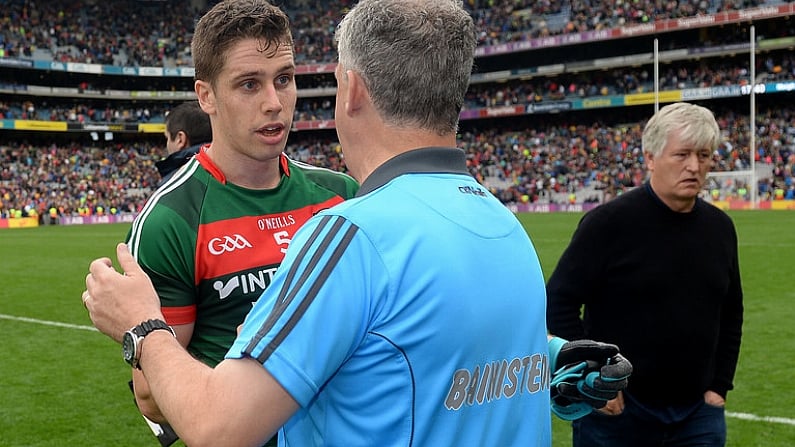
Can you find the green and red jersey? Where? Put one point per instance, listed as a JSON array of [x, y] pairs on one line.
[[211, 247]]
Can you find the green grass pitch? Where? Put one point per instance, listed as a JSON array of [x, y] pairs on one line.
[[64, 384]]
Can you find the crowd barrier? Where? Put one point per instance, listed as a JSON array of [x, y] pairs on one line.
[[21, 222], [30, 222], [90, 220], [747, 205]]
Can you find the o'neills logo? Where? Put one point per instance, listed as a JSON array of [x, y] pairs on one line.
[[218, 245]]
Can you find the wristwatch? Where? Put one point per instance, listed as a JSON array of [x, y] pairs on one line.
[[131, 341]]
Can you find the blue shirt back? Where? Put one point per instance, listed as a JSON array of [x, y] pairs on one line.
[[413, 314]]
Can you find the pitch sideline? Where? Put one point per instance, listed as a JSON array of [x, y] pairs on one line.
[[48, 323], [731, 414]]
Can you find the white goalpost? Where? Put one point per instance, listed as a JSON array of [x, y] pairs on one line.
[[752, 120], [739, 185], [730, 184]]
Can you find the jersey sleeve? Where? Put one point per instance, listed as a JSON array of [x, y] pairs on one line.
[[318, 309], [338, 183], [351, 187], [164, 246]]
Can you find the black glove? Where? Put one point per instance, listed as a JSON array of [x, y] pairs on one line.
[[586, 374], [577, 351]]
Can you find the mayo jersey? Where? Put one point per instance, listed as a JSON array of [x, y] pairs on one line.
[[211, 247], [413, 314]]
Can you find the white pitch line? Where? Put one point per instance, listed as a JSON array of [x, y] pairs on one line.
[[48, 323], [753, 417], [731, 414]]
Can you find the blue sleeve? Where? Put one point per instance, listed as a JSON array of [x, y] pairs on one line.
[[316, 310]]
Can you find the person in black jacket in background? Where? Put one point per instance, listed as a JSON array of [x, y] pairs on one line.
[[187, 129], [657, 272]]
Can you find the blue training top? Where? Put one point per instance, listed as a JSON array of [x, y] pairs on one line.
[[413, 314]]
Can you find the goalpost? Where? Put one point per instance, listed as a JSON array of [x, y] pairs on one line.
[[730, 185]]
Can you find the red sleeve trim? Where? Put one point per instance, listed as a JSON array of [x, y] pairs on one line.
[[180, 315]]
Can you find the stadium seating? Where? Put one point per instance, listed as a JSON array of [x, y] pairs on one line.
[[554, 112]]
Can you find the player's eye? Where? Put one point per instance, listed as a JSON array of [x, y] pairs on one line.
[[284, 80]]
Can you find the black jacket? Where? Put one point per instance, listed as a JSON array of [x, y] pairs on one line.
[[167, 166], [663, 286]]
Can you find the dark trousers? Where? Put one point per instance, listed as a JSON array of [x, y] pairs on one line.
[[705, 426]]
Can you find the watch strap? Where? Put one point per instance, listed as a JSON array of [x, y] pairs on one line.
[[148, 326], [141, 331]]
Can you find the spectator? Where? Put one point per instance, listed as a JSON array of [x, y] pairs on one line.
[[656, 272], [187, 130]]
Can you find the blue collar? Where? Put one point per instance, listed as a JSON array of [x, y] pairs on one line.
[[430, 159]]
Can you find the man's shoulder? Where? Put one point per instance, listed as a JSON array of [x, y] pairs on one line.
[[621, 203], [182, 195], [714, 213], [316, 171], [338, 182]]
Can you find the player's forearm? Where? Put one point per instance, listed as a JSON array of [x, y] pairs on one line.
[[143, 396], [174, 379], [144, 399], [199, 402]]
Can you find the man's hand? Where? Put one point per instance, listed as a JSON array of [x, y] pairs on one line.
[[714, 399], [116, 302], [614, 407], [586, 375]]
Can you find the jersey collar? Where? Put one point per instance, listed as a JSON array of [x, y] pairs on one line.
[[446, 160], [213, 169]]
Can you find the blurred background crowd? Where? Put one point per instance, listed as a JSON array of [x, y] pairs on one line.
[[125, 33], [547, 158]]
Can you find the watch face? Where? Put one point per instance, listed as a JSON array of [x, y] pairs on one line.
[[128, 347]]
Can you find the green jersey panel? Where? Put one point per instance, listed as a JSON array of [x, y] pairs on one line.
[[211, 247]]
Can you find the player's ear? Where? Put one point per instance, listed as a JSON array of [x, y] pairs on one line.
[[205, 95]]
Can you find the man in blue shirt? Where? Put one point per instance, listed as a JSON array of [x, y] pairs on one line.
[[399, 318], [395, 317]]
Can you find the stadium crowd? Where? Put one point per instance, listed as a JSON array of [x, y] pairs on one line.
[[602, 161], [131, 34], [625, 80], [775, 67], [315, 27], [590, 162], [76, 111]]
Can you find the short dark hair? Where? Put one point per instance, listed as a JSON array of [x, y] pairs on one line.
[[231, 21], [191, 119]]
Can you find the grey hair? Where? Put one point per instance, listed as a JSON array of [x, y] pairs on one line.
[[415, 57], [696, 124]]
